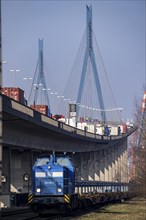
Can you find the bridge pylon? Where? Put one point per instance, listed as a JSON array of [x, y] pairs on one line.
[[39, 83], [89, 54]]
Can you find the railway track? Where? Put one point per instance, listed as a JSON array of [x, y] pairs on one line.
[[24, 214]]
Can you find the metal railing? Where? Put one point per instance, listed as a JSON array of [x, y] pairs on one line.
[[100, 186]]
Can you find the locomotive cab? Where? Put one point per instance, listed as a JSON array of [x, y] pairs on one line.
[[53, 175], [53, 184]]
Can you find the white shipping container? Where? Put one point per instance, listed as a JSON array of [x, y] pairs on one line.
[[91, 128], [71, 121], [81, 125], [99, 129], [114, 130]]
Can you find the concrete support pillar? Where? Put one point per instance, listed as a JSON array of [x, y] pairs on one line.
[[97, 166], [91, 166], [113, 163], [116, 177], [76, 159], [119, 163], [110, 165], [84, 166], [106, 164], [124, 164], [102, 164]]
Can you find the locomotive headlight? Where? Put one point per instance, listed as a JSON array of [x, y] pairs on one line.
[[49, 167], [38, 190], [59, 190]]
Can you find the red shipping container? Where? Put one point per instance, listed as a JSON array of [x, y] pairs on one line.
[[14, 93], [40, 108]]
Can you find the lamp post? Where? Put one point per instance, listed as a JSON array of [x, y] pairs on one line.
[[14, 76], [53, 99], [27, 79], [45, 90]]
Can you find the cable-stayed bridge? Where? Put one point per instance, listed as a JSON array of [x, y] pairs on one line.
[[87, 87], [98, 155]]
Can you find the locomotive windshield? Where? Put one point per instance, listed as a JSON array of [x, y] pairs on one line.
[[63, 161]]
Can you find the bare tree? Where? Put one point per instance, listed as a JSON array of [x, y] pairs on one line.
[[138, 150]]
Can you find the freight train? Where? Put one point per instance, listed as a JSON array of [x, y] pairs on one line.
[[53, 187]]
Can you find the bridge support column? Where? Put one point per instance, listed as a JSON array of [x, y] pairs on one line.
[[77, 162], [84, 166], [113, 163], [124, 164], [123, 167], [97, 166], [116, 177], [91, 175], [102, 164], [106, 165], [89, 166], [110, 165]]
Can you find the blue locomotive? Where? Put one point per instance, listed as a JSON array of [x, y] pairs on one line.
[[53, 184]]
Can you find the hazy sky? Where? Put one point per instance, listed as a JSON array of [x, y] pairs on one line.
[[119, 27]]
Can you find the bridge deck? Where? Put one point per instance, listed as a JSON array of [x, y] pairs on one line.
[[32, 125]]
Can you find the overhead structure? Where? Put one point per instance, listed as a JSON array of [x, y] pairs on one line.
[[39, 83], [89, 54]]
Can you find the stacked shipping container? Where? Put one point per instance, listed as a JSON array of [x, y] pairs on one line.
[[40, 108], [14, 93]]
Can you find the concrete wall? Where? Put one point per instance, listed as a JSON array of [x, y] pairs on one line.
[[15, 165], [109, 164]]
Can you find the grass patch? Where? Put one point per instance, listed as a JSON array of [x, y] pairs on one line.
[[129, 210]]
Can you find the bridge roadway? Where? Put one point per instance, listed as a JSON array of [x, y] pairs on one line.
[[28, 133], [25, 127]]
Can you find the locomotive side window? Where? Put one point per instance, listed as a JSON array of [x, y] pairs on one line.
[[42, 161]]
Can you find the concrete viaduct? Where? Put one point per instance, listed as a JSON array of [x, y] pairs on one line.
[[27, 134]]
